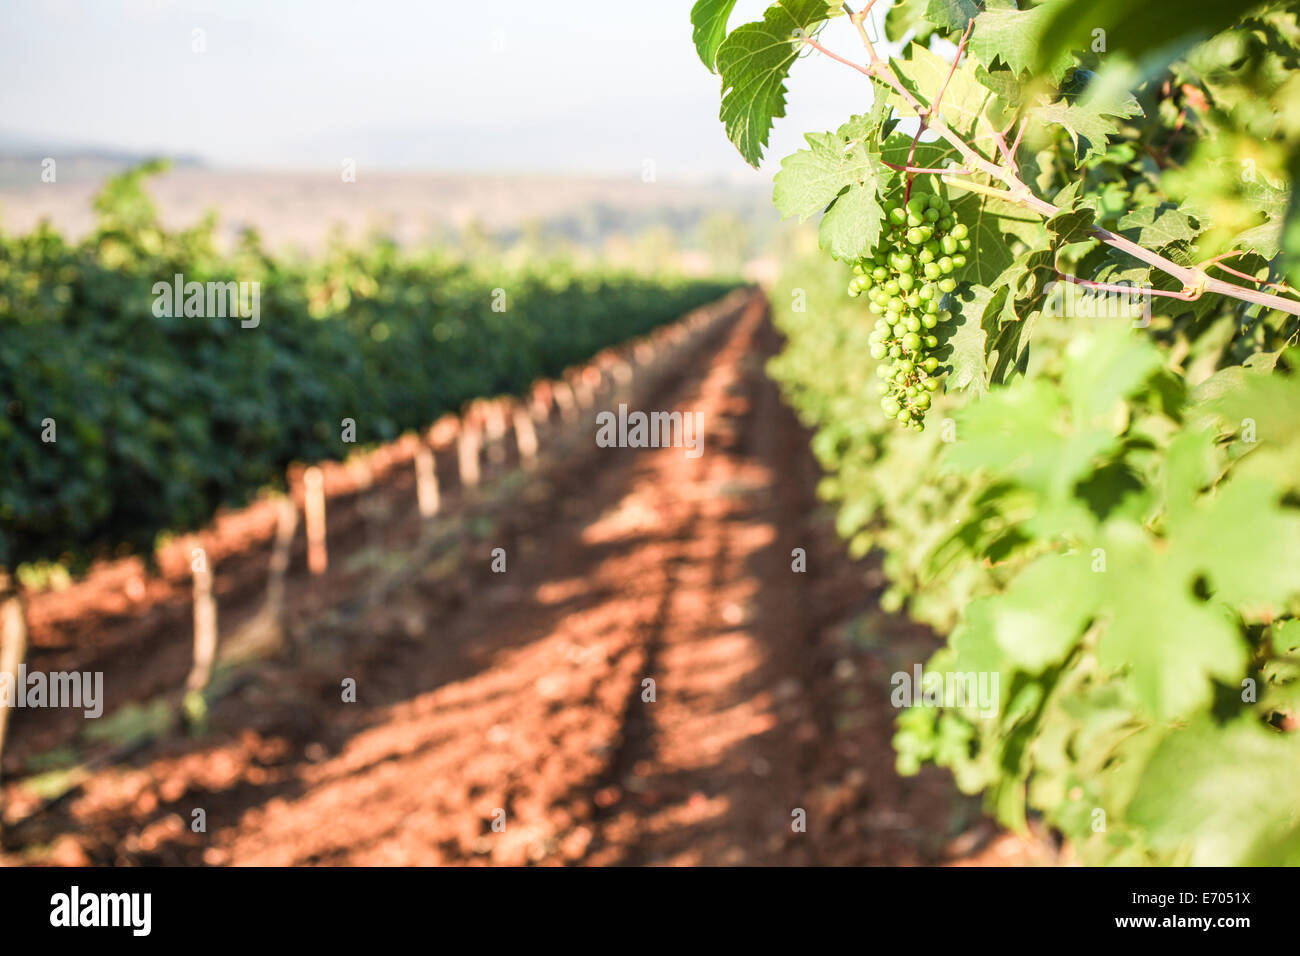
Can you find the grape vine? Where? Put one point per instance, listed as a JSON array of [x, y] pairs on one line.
[[1107, 523]]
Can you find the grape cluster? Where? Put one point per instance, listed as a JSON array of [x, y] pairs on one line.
[[904, 281]]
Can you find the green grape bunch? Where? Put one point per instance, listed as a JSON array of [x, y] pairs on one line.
[[905, 280]]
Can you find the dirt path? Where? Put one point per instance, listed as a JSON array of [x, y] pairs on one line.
[[521, 697]]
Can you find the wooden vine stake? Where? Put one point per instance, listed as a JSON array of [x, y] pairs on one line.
[[205, 622], [494, 427], [468, 442], [314, 510], [13, 647], [426, 481], [582, 390], [621, 371], [525, 435], [281, 550], [564, 399], [540, 405]]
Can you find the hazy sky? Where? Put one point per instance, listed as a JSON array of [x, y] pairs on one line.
[[567, 85]]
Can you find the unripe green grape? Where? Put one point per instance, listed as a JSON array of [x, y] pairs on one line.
[[904, 415], [959, 260], [946, 223], [947, 284], [892, 285], [883, 388], [878, 351], [899, 330], [931, 341], [930, 364], [945, 265], [932, 385], [915, 236], [960, 231], [880, 273], [894, 306], [874, 308], [889, 405], [911, 342], [931, 215], [931, 307], [906, 281], [914, 301], [913, 323], [914, 220], [906, 367], [932, 270], [948, 244], [897, 215], [859, 269], [923, 401], [895, 351], [924, 256], [853, 291]]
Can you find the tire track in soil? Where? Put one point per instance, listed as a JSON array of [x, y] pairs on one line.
[[523, 692]]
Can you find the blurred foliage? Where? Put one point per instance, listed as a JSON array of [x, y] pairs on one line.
[[160, 420], [1109, 520]]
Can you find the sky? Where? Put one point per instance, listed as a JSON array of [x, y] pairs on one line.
[[568, 86]]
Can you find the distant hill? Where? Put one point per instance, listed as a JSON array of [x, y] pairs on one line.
[[300, 208], [21, 159]]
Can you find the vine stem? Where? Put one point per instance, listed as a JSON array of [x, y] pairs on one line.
[[1195, 281]]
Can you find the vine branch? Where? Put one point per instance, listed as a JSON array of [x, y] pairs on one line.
[[1196, 281]]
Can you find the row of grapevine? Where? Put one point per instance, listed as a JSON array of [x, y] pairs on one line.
[[1105, 525], [119, 422]]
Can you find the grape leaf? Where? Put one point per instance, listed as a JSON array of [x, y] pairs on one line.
[[1014, 36], [1225, 792], [1155, 227], [965, 99], [1247, 547], [838, 173], [1035, 633], [970, 340], [952, 14], [905, 15], [1070, 225], [709, 18], [1086, 113], [754, 61], [810, 179], [1161, 29], [1273, 202], [851, 228], [1170, 643], [986, 220]]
